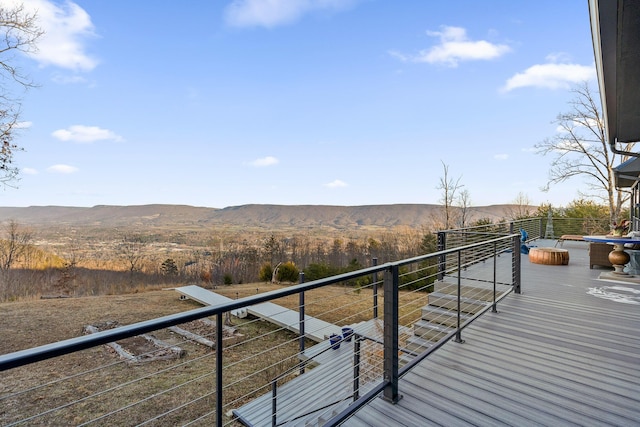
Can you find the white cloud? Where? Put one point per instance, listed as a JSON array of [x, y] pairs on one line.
[[336, 184], [66, 28], [590, 122], [23, 125], [551, 76], [29, 171], [501, 156], [68, 79], [271, 13], [401, 56], [265, 161], [558, 57], [64, 169], [85, 134], [454, 48]]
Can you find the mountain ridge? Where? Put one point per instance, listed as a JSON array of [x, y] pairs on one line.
[[250, 215]]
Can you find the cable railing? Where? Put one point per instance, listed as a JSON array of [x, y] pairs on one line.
[[259, 371], [558, 227]]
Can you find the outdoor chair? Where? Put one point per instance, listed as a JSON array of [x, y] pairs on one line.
[[599, 254]]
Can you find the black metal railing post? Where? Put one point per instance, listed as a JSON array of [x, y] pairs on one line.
[[274, 403], [442, 259], [219, 413], [459, 320], [540, 231], [374, 262], [516, 264], [391, 362], [301, 321], [494, 309], [356, 366]]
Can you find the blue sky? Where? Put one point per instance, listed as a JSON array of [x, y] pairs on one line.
[[333, 102]]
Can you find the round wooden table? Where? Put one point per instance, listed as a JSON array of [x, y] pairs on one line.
[[618, 257], [549, 256]]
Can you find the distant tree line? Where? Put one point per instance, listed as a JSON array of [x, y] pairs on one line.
[[134, 263], [287, 256]]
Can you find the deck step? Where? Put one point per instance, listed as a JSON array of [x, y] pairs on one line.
[[405, 358], [478, 293], [442, 316], [417, 345], [448, 301], [322, 419], [430, 331]]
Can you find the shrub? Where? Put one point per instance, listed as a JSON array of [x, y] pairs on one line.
[[266, 272], [319, 271], [421, 279], [288, 272], [227, 279], [169, 267]]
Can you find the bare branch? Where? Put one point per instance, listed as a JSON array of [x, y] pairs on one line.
[[579, 149], [18, 34], [449, 188], [13, 245]]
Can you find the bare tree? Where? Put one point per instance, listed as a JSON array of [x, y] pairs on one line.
[[355, 252], [131, 251], [520, 208], [272, 249], [66, 281], [73, 252], [13, 246], [18, 34], [409, 241], [337, 252], [580, 149], [449, 188], [464, 203]]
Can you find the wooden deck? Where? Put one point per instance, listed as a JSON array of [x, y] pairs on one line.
[[322, 392], [564, 352]]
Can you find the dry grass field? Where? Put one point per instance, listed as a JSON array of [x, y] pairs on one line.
[[184, 389]]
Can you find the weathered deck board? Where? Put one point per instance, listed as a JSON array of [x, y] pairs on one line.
[[206, 297], [331, 383], [315, 329], [331, 379], [554, 355]]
